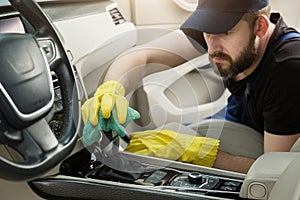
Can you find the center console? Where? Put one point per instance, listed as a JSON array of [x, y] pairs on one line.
[[80, 172], [193, 182]]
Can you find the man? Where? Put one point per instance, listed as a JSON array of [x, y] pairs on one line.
[[242, 40]]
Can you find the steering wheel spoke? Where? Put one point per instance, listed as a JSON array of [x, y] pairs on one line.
[[45, 139], [35, 144]]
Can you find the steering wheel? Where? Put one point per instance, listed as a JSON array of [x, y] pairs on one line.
[[27, 96]]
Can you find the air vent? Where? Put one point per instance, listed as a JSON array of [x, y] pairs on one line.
[[117, 16]]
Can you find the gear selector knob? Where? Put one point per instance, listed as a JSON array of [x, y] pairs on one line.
[[195, 178]]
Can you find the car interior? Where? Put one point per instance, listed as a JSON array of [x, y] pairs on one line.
[[54, 55]]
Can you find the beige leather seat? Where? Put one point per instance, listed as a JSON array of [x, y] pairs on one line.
[[296, 146]]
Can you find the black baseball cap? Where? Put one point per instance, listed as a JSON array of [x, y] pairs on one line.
[[219, 16]]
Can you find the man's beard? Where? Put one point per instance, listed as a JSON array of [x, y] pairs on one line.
[[243, 61]]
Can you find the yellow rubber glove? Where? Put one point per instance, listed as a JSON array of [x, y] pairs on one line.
[[174, 146], [107, 95]]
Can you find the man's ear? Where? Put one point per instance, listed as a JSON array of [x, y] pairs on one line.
[[262, 25]]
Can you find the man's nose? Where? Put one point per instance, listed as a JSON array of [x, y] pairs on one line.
[[213, 43]]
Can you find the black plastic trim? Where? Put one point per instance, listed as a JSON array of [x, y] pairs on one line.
[[76, 189]]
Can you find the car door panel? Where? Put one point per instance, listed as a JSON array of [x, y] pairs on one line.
[[159, 12], [156, 17]]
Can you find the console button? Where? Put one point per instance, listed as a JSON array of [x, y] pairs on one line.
[[176, 183], [210, 183], [195, 178], [228, 188], [232, 183]]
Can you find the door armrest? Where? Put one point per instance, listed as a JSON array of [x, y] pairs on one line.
[[264, 173]]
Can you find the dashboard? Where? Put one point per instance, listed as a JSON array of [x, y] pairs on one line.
[[11, 24]]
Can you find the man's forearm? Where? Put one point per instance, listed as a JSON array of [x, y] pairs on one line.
[[129, 69], [233, 163]]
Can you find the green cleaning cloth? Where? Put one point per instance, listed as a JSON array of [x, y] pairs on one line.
[[91, 134]]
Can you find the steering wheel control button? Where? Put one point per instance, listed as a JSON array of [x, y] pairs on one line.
[[195, 178], [47, 47], [56, 126]]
